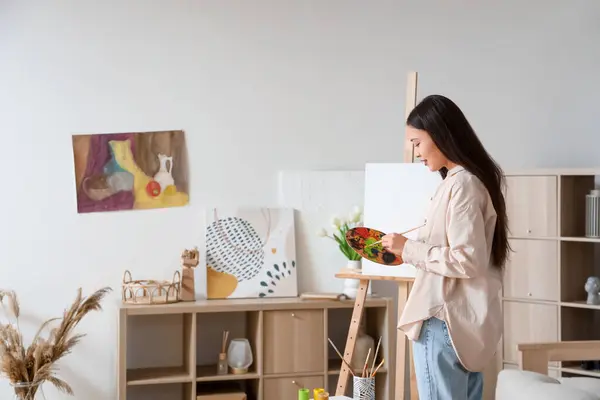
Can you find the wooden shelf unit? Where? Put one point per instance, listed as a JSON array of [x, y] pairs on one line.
[[288, 339], [543, 294]]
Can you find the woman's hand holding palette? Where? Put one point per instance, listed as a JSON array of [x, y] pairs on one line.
[[367, 243]]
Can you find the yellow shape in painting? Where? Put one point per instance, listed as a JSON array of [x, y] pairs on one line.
[[170, 190], [219, 285], [273, 250], [169, 198]]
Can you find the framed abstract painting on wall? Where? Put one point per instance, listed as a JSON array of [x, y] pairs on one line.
[[250, 253], [127, 171]]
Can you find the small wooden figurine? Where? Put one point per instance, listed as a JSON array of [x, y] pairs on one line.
[[189, 260]]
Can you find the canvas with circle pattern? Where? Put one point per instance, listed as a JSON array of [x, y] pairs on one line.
[[250, 252], [364, 241]]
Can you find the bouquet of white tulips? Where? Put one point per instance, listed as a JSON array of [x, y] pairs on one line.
[[340, 227]]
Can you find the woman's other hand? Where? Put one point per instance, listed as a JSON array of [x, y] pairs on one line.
[[394, 243]]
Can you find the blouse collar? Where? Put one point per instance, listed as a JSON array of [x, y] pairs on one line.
[[455, 170]]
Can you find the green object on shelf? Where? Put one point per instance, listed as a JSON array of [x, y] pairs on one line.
[[303, 394]]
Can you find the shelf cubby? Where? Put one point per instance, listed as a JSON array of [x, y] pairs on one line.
[[209, 336], [578, 261], [573, 189], [149, 361], [250, 387], [579, 324], [376, 326], [166, 391]]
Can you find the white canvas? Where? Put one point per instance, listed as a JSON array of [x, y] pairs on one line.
[[397, 196], [317, 196], [250, 252]]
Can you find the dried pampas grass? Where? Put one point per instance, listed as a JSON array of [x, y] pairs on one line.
[[28, 367]]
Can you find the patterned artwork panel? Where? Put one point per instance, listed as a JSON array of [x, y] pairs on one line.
[[251, 252]]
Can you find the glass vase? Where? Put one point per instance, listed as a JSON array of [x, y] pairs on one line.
[[239, 356], [28, 391]]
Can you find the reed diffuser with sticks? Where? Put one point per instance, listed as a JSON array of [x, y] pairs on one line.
[[28, 367], [222, 368]]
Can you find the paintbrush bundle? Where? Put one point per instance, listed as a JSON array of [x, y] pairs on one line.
[[374, 370]]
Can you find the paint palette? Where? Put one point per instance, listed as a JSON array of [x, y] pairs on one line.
[[361, 240]]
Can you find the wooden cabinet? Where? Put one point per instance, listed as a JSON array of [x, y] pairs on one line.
[[287, 388], [526, 323], [288, 339], [294, 341], [544, 299], [531, 205], [531, 265]]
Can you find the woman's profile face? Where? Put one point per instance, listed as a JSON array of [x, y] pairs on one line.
[[426, 149]]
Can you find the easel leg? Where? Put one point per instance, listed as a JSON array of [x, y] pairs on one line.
[[404, 352], [401, 344], [414, 392], [404, 290], [359, 303]]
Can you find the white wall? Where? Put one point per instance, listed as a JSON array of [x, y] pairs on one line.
[[290, 84]]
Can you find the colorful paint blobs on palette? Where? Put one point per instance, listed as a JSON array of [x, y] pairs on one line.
[[361, 240], [251, 252], [125, 171]]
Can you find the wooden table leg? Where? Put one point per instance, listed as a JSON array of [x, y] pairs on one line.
[[359, 303]]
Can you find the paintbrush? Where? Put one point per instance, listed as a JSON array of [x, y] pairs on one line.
[[365, 369], [375, 356], [339, 354], [377, 369], [408, 231]]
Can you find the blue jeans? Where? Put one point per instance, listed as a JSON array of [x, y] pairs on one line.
[[439, 373]]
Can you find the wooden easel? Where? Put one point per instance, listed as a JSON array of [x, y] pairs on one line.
[[402, 348], [404, 286]]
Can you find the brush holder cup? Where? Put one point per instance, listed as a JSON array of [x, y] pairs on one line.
[[363, 388]]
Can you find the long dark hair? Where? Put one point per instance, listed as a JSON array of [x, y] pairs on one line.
[[452, 133]]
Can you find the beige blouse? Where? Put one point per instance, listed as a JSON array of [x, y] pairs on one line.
[[455, 281]]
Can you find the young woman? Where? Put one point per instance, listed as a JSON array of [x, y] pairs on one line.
[[453, 314]]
